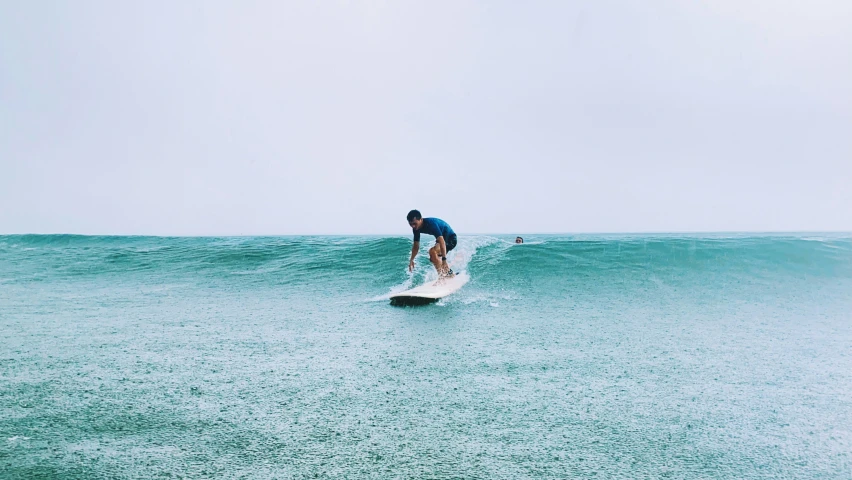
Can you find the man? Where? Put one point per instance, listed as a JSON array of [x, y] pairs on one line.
[[519, 240], [445, 240]]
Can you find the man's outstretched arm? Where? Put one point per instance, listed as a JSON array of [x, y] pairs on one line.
[[442, 246], [414, 249]]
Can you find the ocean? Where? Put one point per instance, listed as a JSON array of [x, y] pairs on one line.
[[570, 356]]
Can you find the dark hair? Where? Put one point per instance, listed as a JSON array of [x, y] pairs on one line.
[[414, 215]]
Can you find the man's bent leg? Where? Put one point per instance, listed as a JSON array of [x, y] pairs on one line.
[[435, 257]]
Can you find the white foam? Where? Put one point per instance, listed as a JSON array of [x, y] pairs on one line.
[[395, 289]]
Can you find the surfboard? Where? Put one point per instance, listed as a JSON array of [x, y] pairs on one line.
[[430, 292]]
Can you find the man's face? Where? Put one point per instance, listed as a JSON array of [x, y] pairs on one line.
[[415, 224]]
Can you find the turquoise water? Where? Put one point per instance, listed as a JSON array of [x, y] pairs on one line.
[[662, 356]]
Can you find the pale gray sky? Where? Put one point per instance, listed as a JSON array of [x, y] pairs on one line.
[[270, 117]]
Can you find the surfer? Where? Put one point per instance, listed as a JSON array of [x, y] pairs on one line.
[[445, 240], [519, 240]]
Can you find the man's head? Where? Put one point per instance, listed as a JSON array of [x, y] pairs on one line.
[[519, 240], [414, 219]]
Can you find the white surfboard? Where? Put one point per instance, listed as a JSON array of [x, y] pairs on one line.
[[430, 292]]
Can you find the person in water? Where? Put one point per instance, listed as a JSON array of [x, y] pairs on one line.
[[445, 241], [519, 240]]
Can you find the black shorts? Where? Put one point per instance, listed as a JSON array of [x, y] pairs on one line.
[[451, 242]]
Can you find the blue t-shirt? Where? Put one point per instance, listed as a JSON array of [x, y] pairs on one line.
[[433, 226]]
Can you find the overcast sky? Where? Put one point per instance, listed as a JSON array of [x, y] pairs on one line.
[[297, 117]]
